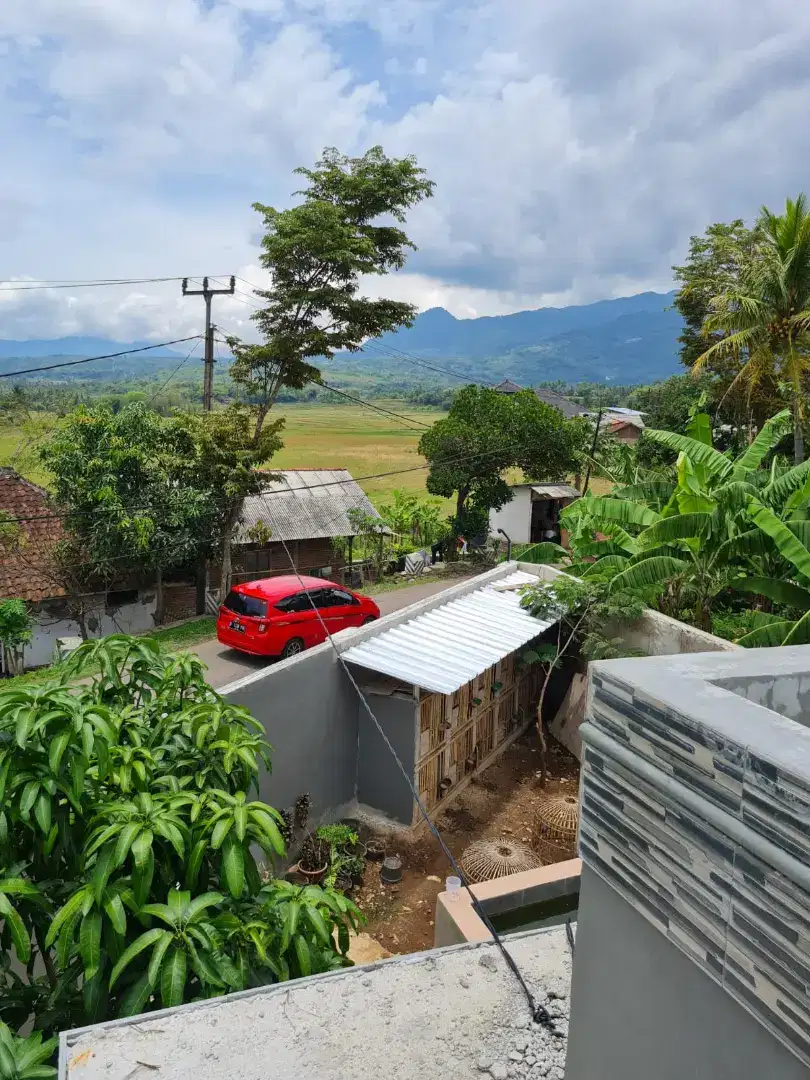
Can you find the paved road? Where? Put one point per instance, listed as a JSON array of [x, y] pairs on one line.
[[225, 665]]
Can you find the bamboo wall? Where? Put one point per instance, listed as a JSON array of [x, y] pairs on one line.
[[459, 732]]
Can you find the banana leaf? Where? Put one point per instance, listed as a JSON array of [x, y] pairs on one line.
[[767, 636], [771, 434], [715, 463], [682, 527], [779, 491], [800, 632], [648, 572], [788, 544], [619, 511], [655, 493], [781, 592]]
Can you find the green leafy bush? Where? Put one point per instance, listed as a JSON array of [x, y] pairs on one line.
[[127, 839]]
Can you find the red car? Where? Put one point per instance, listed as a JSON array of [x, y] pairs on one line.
[[275, 616]]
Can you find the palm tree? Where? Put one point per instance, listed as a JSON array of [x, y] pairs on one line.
[[765, 320]]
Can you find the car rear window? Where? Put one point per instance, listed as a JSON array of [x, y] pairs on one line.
[[240, 604]]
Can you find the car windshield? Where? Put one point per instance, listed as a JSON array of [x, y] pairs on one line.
[[240, 604]]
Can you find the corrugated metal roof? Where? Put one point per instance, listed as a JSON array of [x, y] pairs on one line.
[[445, 648], [305, 504], [555, 491]]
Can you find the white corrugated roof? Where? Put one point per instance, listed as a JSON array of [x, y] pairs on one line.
[[448, 646], [555, 491]]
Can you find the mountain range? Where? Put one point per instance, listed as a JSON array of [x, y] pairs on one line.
[[631, 339]]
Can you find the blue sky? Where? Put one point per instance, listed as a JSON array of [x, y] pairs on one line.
[[575, 144]]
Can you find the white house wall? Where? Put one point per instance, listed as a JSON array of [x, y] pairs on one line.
[[515, 518], [129, 619]]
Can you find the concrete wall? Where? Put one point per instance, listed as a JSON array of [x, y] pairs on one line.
[[641, 1009], [309, 712], [658, 635], [128, 619], [380, 784], [515, 518]]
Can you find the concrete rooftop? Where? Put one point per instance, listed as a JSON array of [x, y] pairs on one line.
[[451, 1013]]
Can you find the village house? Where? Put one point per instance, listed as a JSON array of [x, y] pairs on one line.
[[308, 509], [29, 572], [533, 513], [568, 408]]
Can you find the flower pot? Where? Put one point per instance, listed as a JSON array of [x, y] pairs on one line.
[[375, 850], [358, 850], [295, 875], [344, 883], [314, 877]]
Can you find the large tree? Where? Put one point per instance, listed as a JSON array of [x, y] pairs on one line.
[[484, 435], [117, 477], [762, 320], [317, 253]]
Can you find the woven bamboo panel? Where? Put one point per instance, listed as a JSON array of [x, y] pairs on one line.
[[460, 706], [433, 725], [485, 733], [462, 755], [429, 776], [506, 710]]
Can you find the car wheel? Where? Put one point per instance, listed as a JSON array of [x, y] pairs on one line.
[[293, 647], [368, 619]]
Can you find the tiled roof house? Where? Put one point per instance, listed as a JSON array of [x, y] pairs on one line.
[[24, 567]]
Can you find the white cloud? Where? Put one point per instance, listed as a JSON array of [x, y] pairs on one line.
[[575, 145]]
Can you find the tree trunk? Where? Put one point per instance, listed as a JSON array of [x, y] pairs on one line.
[[160, 598], [461, 498], [798, 434], [227, 542]]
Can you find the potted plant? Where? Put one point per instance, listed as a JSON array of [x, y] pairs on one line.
[[375, 849], [353, 866], [314, 861]]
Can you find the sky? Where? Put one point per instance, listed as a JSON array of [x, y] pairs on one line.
[[575, 144]]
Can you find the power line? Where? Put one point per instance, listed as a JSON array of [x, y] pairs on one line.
[[182, 363], [10, 285], [90, 359], [368, 404]]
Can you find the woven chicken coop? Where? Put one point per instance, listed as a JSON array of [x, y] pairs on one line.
[[450, 691]]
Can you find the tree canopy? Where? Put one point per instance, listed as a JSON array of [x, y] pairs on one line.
[[485, 434]]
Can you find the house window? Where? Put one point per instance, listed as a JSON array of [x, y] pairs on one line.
[[258, 560]]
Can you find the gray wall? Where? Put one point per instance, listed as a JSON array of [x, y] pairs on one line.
[[309, 712], [640, 1008], [380, 784]]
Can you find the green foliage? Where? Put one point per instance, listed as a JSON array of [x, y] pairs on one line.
[[16, 624], [131, 503], [729, 524], [26, 1058], [416, 519], [756, 321], [317, 252], [128, 840], [484, 434]]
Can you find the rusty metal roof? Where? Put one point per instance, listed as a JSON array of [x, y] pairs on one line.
[[304, 504]]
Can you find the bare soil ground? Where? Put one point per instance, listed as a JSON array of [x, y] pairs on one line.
[[500, 802]]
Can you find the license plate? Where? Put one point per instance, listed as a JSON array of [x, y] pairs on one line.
[[237, 626]]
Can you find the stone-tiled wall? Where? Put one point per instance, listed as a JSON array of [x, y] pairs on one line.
[[708, 838]]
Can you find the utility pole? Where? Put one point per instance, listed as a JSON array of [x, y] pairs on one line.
[[207, 293]]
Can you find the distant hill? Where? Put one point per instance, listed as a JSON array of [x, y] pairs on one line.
[[70, 346], [630, 339]]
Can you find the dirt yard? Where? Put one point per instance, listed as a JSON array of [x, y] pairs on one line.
[[501, 802]]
